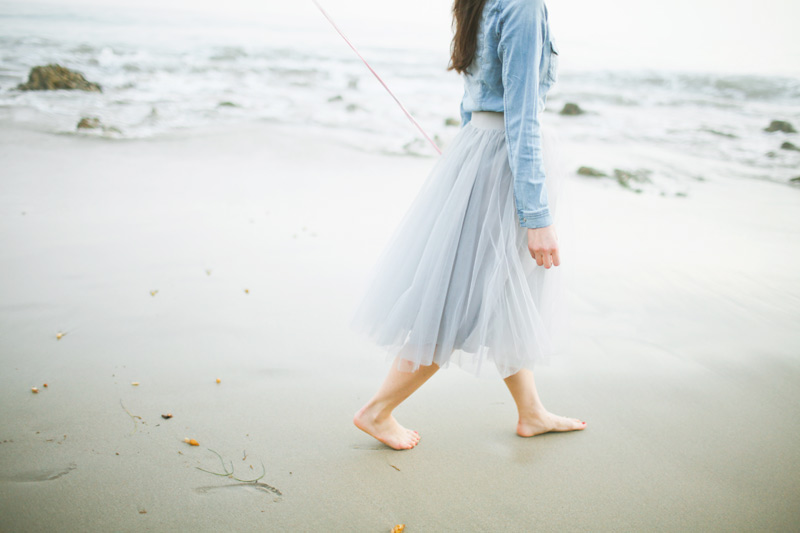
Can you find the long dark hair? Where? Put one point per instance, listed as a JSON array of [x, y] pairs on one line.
[[466, 19]]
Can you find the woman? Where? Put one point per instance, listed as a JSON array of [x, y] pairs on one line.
[[468, 274]]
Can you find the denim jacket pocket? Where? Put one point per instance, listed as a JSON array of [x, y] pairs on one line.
[[552, 69]]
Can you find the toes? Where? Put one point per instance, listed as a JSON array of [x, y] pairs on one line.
[[563, 423], [390, 433]]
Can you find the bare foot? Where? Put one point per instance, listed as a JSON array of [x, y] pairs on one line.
[[388, 430], [536, 424]]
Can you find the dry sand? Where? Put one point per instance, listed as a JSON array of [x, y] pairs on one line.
[[684, 357]]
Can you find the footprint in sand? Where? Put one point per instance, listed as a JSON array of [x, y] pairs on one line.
[[42, 475], [261, 487]]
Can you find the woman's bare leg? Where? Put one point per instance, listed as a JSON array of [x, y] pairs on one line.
[[376, 417], [534, 419]]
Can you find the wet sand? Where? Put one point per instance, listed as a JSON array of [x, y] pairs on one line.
[[684, 355]]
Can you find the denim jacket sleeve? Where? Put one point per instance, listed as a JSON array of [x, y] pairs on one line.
[[466, 116], [521, 29]]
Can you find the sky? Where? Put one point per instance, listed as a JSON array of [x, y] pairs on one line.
[[730, 36]]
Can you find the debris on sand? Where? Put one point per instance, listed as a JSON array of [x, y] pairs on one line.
[[226, 472], [133, 416]]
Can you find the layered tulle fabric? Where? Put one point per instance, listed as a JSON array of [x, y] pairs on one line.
[[456, 282]]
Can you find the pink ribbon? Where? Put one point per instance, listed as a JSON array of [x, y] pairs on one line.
[[379, 78]]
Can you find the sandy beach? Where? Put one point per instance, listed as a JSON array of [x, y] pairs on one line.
[[237, 253]]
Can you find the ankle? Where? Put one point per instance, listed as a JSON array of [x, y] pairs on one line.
[[532, 411], [376, 412]]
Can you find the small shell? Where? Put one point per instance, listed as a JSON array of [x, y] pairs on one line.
[[34, 390], [191, 441], [59, 335], [135, 383], [219, 380], [399, 528], [247, 291], [44, 385], [167, 416]]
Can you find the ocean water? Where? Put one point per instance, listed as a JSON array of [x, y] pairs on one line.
[[166, 72]]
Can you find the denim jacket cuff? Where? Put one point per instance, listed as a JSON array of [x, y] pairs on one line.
[[539, 219]]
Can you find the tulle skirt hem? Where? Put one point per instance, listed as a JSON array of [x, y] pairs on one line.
[[456, 283]]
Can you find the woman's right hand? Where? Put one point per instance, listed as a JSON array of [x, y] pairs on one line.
[[543, 245]]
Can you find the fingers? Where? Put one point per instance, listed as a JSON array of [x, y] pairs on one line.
[[543, 246], [546, 258]]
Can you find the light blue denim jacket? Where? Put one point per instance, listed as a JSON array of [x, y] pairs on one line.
[[515, 65]]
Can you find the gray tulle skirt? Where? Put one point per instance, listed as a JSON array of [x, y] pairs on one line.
[[456, 282]]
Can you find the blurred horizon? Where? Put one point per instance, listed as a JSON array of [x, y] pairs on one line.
[[734, 37]]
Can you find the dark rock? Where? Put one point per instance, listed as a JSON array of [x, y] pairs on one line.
[[795, 180], [720, 133], [53, 77], [89, 123], [223, 104], [789, 146], [571, 109], [780, 125], [589, 171], [337, 98], [93, 123], [626, 178], [452, 122]]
